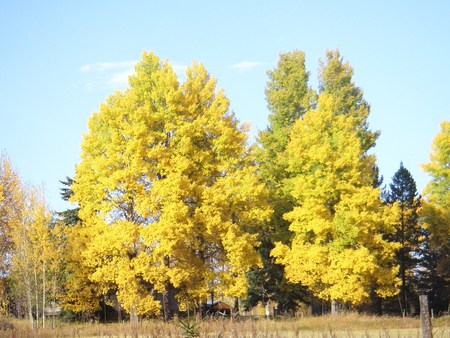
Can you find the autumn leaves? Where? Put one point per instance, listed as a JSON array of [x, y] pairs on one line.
[[168, 191], [173, 200], [171, 196]]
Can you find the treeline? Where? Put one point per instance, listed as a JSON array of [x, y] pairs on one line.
[[176, 209]]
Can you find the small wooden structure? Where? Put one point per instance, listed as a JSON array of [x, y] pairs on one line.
[[217, 308]]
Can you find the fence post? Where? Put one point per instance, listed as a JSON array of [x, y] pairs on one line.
[[425, 317]]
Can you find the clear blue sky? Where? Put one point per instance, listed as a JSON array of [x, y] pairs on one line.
[[60, 59]]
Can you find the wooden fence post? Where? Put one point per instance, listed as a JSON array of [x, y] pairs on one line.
[[425, 317]]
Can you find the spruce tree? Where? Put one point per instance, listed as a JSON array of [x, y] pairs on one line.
[[407, 233], [69, 216]]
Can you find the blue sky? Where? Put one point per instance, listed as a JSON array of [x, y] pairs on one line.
[[60, 59]]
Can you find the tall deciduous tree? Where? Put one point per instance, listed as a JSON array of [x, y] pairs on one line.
[[125, 144], [436, 217], [35, 263], [336, 79], [79, 294], [11, 206], [408, 233], [288, 96], [338, 250], [437, 190], [168, 190]]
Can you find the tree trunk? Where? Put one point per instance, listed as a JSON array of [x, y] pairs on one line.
[[173, 302], [118, 309], [267, 309], [29, 301], [54, 292], [379, 306], [334, 307], [401, 306], [134, 319], [200, 314], [403, 263], [236, 305], [166, 304], [168, 296], [104, 308], [43, 295], [36, 296]]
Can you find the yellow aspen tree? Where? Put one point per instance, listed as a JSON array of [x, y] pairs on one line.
[[11, 205], [338, 250], [288, 97], [335, 78], [209, 198], [40, 247], [437, 190], [81, 294], [30, 261], [21, 274], [436, 218], [28, 248], [168, 191], [55, 265], [114, 173]]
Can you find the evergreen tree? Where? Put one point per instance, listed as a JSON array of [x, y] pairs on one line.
[[408, 233], [69, 216]]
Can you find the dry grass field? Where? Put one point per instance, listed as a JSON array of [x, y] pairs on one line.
[[348, 325]]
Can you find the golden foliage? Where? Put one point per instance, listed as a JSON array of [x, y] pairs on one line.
[[338, 250], [167, 189]]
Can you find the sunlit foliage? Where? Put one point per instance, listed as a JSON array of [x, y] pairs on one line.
[[168, 191]]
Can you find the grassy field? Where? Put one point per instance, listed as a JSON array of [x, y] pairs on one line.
[[349, 325]]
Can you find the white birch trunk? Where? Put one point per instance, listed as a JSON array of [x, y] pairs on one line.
[[29, 301], [36, 296], [43, 294]]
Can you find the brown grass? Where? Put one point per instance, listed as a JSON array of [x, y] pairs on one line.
[[348, 325]]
